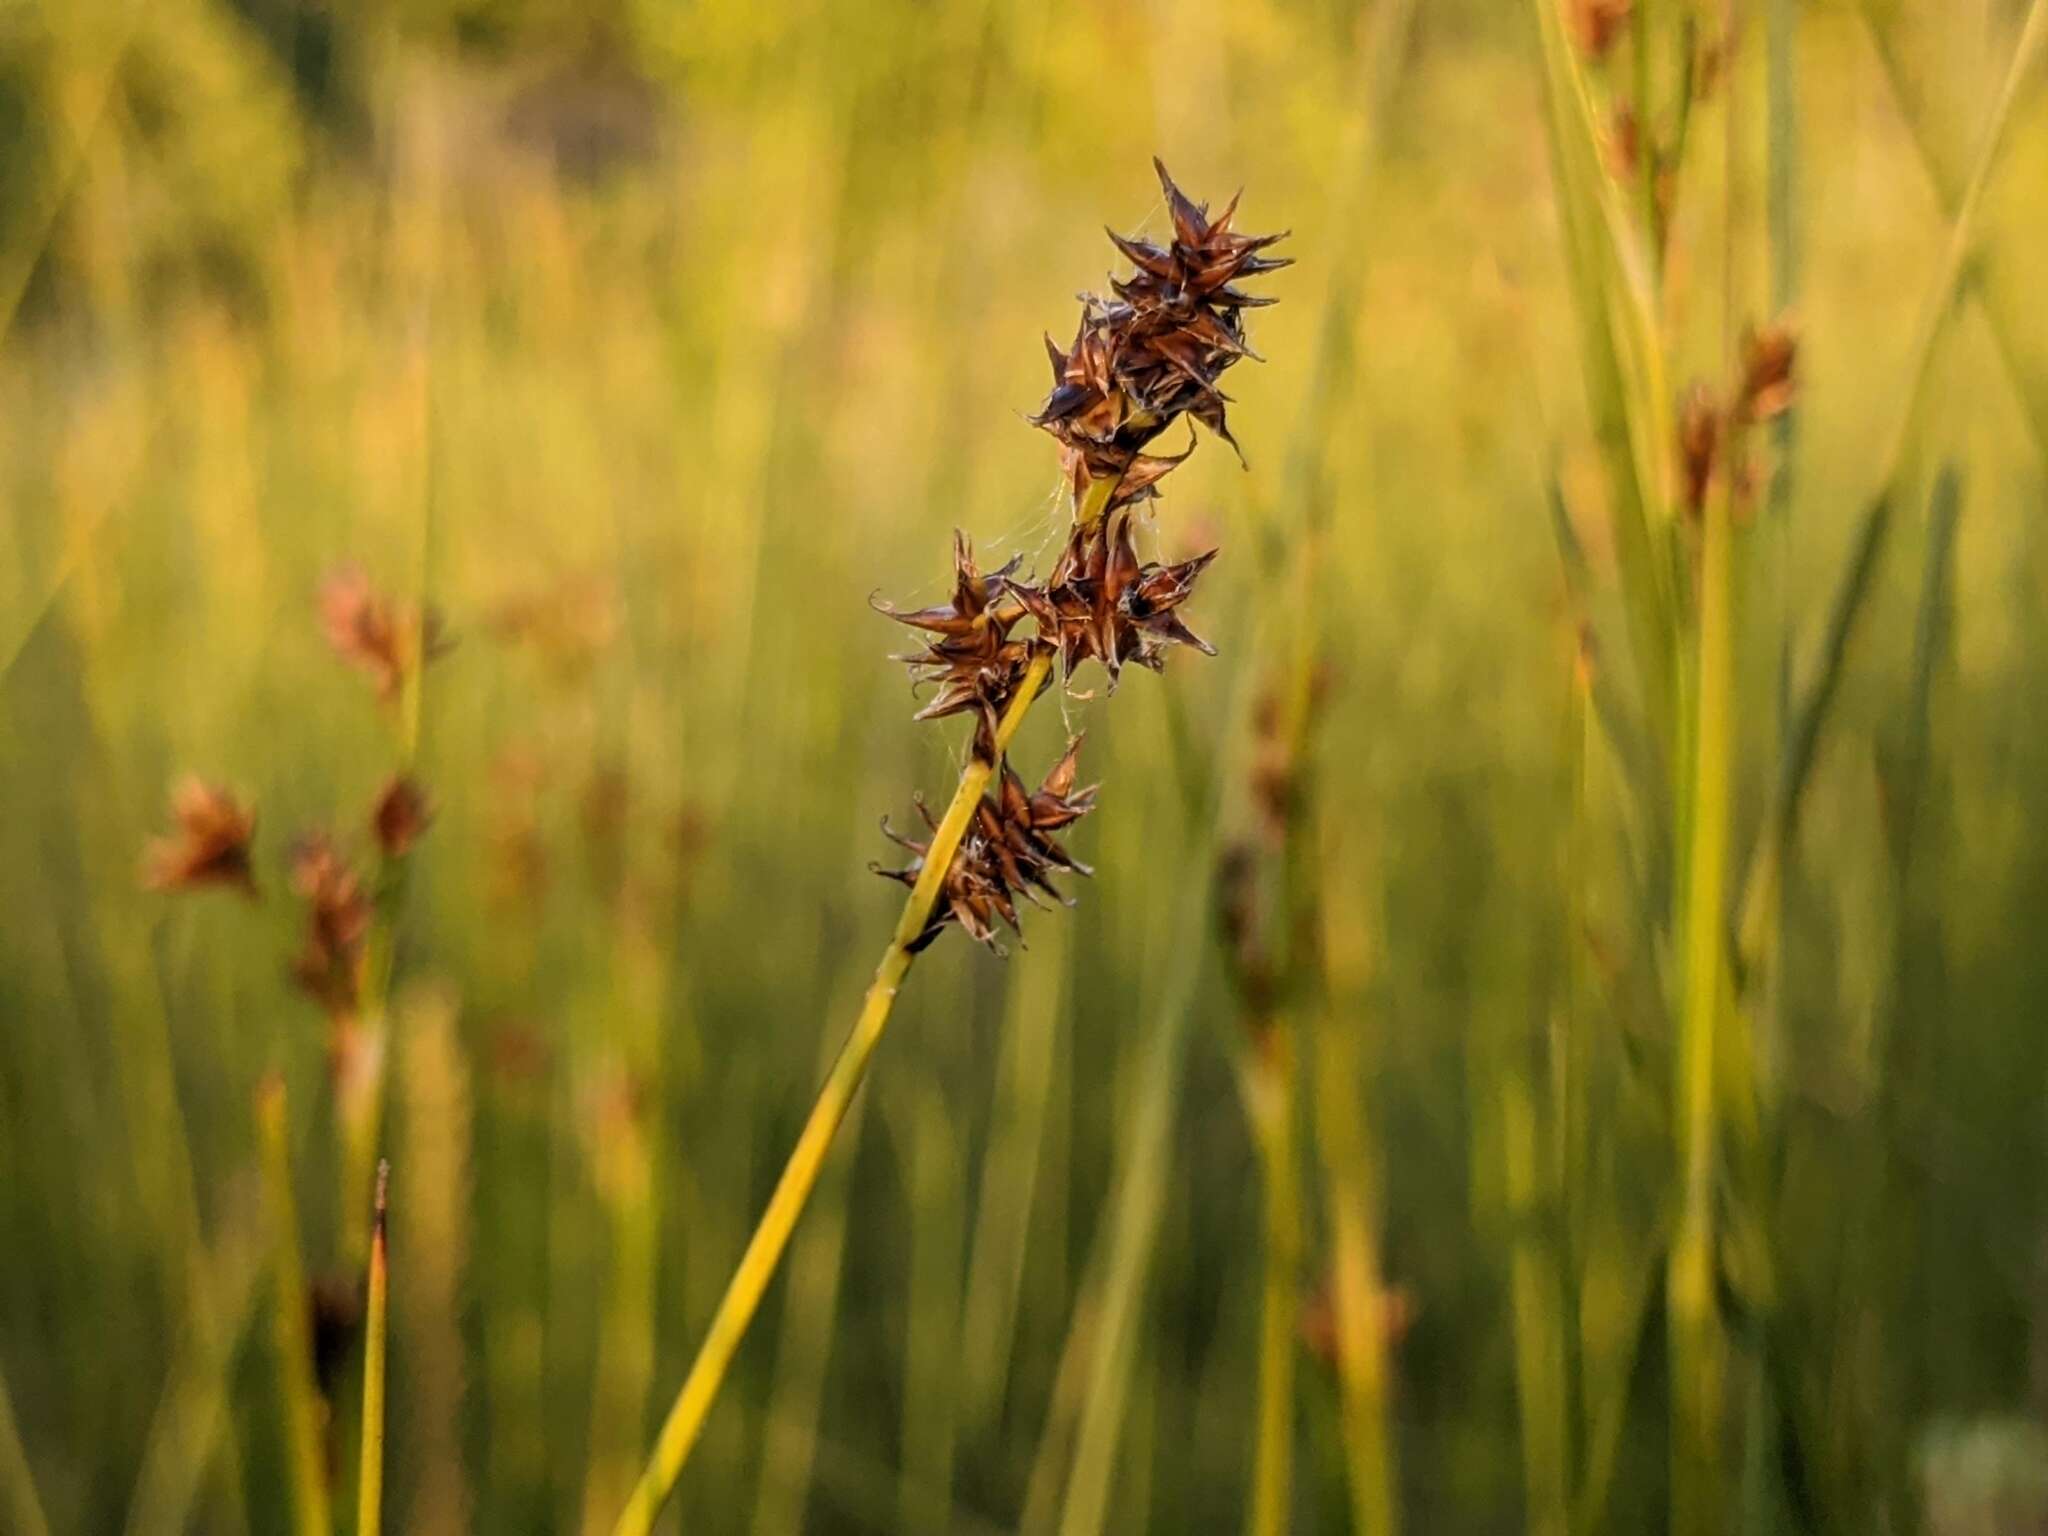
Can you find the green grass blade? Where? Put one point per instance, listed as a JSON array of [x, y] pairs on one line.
[[24, 1504], [1764, 866], [370, 1482]]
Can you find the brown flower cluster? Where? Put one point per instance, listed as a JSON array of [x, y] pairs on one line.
[[1009, 851], [1713, 431], [381, 638], [329, 965], [1139, 361], [971, 657], [1597, 24], [1155, 350], [210, 845]]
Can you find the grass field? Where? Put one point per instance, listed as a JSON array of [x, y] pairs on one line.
[[1649, 1130]]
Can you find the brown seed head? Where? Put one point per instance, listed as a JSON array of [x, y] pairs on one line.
[[969, 655], [1155, 350], [1596, 24], [1699, 444], [383, 639], [1102, 602], [1010, 850], [1768, 359], [329, 965], [210, 845], [1624, 142], [401, 816]]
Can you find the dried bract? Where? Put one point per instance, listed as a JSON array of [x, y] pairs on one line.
[[210, 845]]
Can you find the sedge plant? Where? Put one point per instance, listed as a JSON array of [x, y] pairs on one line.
[[1143, 357]]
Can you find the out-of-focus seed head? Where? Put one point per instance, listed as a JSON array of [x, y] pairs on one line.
[[1699, 445], [1624, 142], [1596, 24], [1769, 356], [1155, 350], [329, 965], [386, 641], [334, 1309], [210, 845], [401, 816]]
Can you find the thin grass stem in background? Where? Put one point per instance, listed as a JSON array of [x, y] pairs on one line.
[[304, 1413], [24, 1504], [1760, 876], [1275, 1128], [370, 1482]]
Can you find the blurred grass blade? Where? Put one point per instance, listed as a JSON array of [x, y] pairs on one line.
[[24, 1504], [305, 1414], [1764, 868], [1609, 281], [1009, 1180], [370, 1484], [2004, 318], [1932, 627], [188, 1430], [793, 1448], [1618, 722], [433, 1232]]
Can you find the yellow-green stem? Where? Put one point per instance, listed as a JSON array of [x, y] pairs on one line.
[[800, 1175], [1274, 1121], [1358, 1291], [370, 1485], [304, 1413], [1697, 1348]]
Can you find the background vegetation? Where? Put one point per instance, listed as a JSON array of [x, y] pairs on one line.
[[645, 342]]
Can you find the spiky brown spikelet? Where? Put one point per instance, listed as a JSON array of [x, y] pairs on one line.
[[1156, 350], [1009, 851]]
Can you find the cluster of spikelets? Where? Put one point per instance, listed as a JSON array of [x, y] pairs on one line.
[[1140, 360], [213, 839]]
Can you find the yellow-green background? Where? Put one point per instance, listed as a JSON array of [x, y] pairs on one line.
[[646, 341]]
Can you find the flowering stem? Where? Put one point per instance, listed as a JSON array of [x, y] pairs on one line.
[[800, 1174]]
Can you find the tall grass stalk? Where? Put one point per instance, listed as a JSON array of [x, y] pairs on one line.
[[1275, 1123], [370, 1479], [1699, 1350]]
